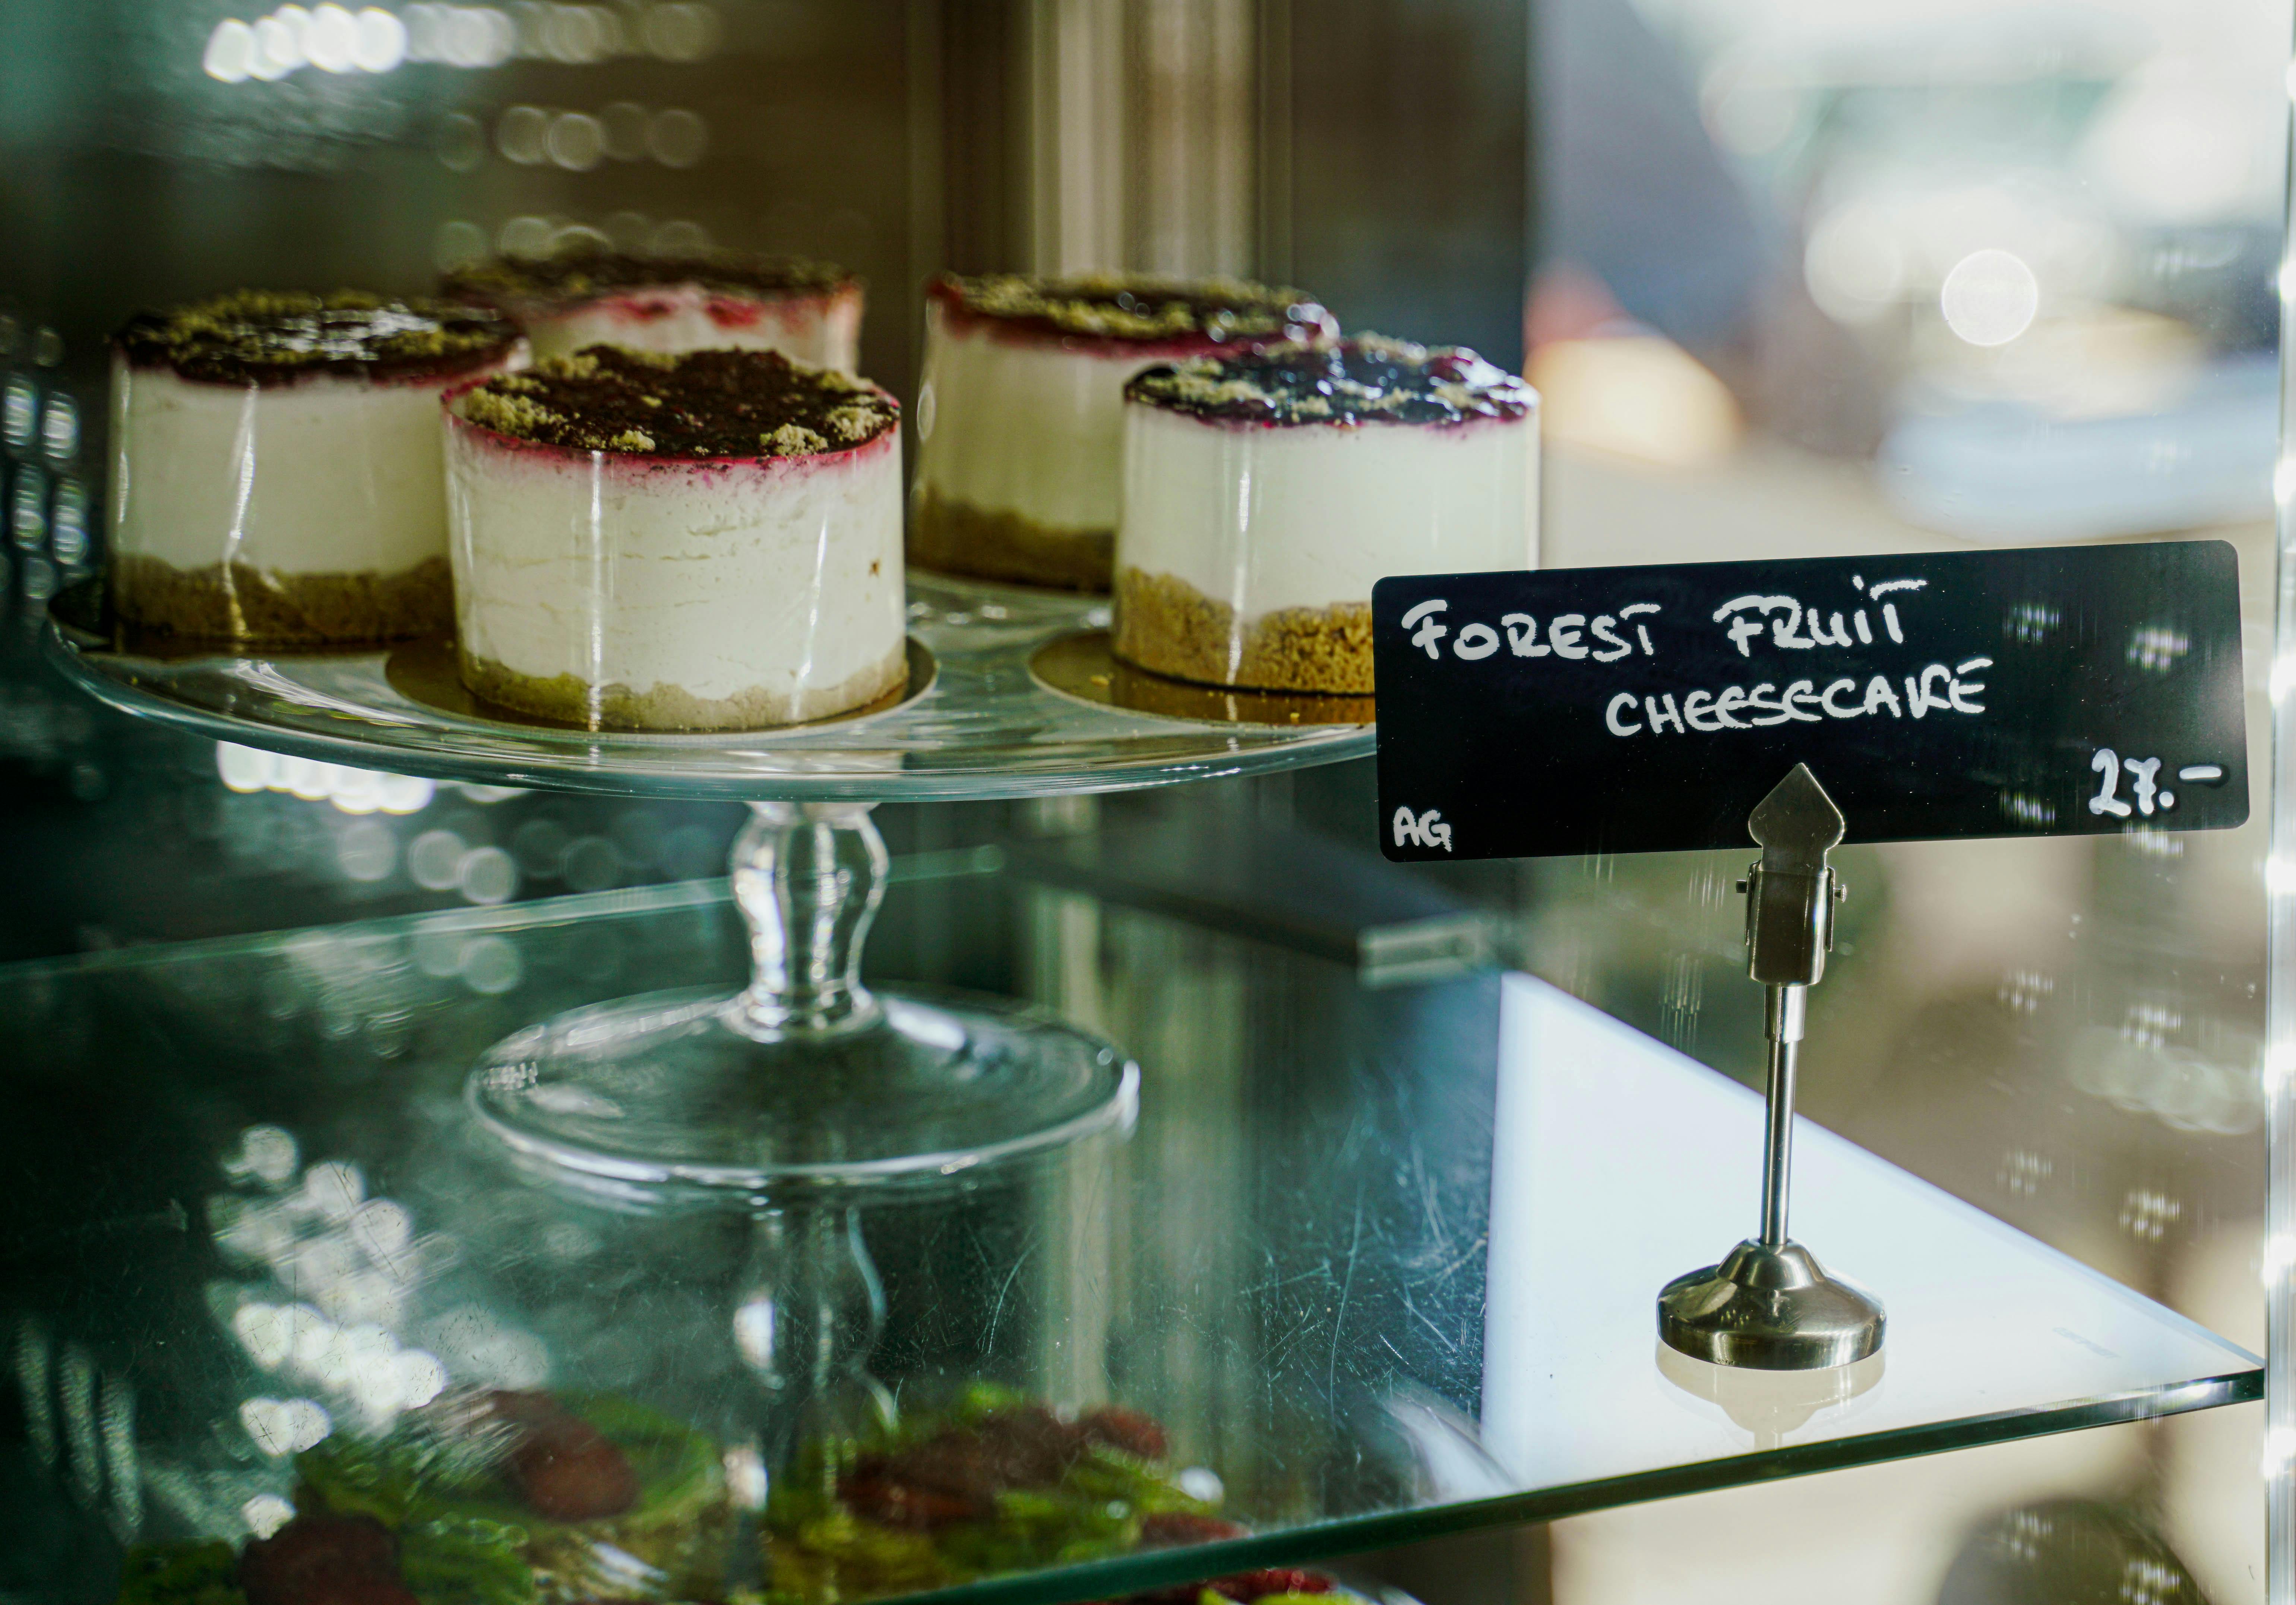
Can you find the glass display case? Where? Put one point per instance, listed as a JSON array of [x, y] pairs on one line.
[[1237, 1205]]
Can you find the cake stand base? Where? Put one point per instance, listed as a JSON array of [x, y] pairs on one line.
[[807, 1080], [664, 1094]]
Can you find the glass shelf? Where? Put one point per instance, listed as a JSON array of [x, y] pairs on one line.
[[1286, 1263]]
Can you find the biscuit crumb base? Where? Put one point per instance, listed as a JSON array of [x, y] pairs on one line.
[[248, 606], [572, 700], [1168, 626], [951, 536]]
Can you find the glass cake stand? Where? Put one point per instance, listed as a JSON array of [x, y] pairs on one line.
[[806, 1079]]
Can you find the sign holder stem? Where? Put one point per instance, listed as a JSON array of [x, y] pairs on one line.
[[1784, 1009], [1771, 1305]]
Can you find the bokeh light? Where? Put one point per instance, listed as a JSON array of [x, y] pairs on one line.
[[330, 39], [676, 138], [230, 55], [577, 141], [333, 39], [522, 133], [265, 1514], [381, 43], [1989, 297], [248, 769]]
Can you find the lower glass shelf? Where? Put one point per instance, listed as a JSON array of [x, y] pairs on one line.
[[1376, 1263]]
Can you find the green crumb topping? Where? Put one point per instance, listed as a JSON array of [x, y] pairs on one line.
[[793, 440], [266, 336], [517, 414], [1133, 306], [697, 404], [525, 282], [1363, 379], [851, 424]]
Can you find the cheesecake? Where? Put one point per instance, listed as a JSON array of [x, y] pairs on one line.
[[277, 471], [809, 312], [1020, 412], [709, 541], [1265, 492]]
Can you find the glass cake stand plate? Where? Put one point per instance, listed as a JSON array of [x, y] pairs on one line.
[[805, 1082], [976, 722]]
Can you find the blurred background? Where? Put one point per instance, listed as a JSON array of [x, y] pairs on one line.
[[1793, 277]]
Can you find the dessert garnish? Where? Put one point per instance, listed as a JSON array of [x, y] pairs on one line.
[[701, 404], [271, 337], [1362, 379], [569, 275], [1135, 306]]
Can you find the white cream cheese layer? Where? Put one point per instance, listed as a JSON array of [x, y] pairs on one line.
[[718, 576], [823, 329], [1307, 516], [324, 475], [1012, 423]]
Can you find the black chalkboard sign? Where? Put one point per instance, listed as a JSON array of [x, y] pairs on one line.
[[2061, 691]]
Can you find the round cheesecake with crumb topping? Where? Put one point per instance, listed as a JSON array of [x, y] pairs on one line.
[[277, 478], [1266, 492], [709, 541], [809, 312], [1020, 413]]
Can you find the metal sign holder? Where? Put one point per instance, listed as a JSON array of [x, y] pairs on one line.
[[1770, 1305]]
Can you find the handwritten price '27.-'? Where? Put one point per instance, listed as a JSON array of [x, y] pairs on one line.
[[2147, 796]]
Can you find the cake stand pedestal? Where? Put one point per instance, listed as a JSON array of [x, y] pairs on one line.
[[805, 1078]]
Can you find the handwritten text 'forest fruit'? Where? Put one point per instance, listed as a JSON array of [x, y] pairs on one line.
[[1750, 623]]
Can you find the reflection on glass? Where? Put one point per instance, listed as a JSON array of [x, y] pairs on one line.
[[1770, 1405], [351, 790]]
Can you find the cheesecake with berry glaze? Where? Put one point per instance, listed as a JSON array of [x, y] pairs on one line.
[[809, 312], [277, 472], [709, 541], [1265, 492], [1021, 412]]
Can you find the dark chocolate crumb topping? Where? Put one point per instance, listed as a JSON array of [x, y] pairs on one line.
[[516, 283], [1133, 306], [1365, 379], [699, 404], [276, 337]]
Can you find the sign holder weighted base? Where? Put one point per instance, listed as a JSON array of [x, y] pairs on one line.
[[1770, 1305]]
